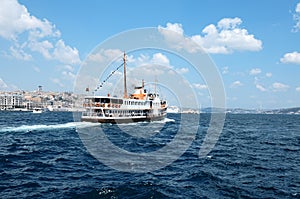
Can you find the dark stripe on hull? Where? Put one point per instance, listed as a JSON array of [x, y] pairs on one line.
[[125, 120]]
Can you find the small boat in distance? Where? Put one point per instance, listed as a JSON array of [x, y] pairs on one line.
[[139, 106], [37, 110]]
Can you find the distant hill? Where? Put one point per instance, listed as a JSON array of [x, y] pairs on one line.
[[295, 110]]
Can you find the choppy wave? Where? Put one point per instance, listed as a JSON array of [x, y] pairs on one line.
[[165, 120]]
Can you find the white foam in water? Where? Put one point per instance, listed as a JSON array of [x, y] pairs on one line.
[[27, 128], [165, 120]]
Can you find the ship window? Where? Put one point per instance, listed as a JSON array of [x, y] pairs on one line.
[[117, 101], [105, 100]]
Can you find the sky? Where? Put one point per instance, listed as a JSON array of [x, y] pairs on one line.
[[253, 44]]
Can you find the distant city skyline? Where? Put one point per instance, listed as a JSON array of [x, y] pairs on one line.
[[254, 44]]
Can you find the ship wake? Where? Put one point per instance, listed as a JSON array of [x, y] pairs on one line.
[[39, 127]]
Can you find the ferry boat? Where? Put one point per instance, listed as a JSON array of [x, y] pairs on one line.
[[136, 107]]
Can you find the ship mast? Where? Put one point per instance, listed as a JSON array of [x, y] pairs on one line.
[[125, 86], [155, 86]]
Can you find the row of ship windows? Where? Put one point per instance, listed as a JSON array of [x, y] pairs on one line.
[[138, 103], [125, 112], [135, 103]]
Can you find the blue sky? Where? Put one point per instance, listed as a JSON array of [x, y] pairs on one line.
[[254, 44]]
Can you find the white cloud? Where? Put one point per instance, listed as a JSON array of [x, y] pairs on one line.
[[175, 27], [68, 67], [41, 47], [104, 55], [225, 70], [182, 70], [148, 70], [255, 71], [68, 75], [200, 86], [140, 60], [279, 87], [18, 53], [61, 52], [67, 72], [236, 84], [291, 58], [173, 34], [298, 89], [159, 58], [298, 8], [260, 87], [66, 54], [16, 20], [229, 23], [296, 17], [156, 59], [269, 74], [227, 37]]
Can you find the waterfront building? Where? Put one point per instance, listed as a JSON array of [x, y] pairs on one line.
[[11, 101]]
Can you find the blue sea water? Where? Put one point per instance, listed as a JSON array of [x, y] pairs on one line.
[[256, 156]]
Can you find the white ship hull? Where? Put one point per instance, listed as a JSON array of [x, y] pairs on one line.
[[114, 120]]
